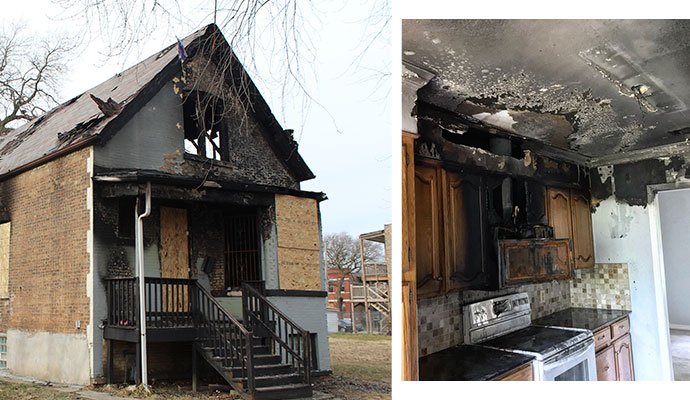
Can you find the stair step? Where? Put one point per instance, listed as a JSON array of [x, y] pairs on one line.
[[272, 380], [294, 391], [259, 359], [264, 370], [265, 359]]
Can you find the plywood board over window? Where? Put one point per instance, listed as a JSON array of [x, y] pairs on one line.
[[299, 237], [4, 259]]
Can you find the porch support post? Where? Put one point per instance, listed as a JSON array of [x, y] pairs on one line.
[[109, 377], [195, 373], [366, 286]]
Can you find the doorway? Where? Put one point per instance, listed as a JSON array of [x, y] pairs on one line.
[[674, 227]]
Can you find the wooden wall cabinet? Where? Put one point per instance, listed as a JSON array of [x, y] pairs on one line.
[[569, 215], [428, 230], [451, 234], [614, 352]]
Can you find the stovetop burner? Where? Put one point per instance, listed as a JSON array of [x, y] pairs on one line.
[[540, 341]]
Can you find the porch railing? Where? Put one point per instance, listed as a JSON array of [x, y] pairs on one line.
[[123, 302], [168, 302], [224, 335], [288, 340], [374, 294]]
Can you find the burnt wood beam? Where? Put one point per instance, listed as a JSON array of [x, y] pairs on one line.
[[432, 146]]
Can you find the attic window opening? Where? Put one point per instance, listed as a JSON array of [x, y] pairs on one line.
[[205, 134]]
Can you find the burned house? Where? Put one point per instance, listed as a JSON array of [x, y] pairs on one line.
[[179, 168], [539, 161]]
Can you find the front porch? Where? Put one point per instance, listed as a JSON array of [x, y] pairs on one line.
[[265, 355]]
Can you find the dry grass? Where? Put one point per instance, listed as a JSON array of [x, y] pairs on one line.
[[27, 391], [363, 357], [361, 367]]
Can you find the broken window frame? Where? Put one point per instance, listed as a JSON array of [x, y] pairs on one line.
[[205, 131]]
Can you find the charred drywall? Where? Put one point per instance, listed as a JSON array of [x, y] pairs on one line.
[[629, 182], [589, 86]]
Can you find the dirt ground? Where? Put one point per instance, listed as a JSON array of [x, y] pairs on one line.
[[361, 371]]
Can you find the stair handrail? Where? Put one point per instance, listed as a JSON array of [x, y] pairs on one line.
[[257, 309], [246, 342]]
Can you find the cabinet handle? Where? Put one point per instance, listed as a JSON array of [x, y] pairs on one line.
[[607, 368], [584, 259]]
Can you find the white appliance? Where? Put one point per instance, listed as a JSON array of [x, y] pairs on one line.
[[504, 323]]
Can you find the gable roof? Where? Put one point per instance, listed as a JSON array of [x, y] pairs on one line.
[[80, 122]]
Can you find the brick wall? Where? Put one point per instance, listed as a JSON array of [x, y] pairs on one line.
[[49, 262]]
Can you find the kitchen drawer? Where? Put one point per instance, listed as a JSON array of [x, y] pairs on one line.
[[602, 338], [523, 374], [620, 328]]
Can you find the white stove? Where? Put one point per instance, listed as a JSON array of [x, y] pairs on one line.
[[504, 323]]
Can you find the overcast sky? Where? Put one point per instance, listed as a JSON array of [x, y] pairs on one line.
[[348, 151]]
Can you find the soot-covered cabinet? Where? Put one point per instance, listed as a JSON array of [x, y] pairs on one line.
[[451, 231]]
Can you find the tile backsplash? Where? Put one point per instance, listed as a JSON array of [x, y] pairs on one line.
[[605, 286], [439, 319], [439, 322]]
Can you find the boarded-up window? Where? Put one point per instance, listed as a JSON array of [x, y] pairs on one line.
[[299, 239], [4, 259]]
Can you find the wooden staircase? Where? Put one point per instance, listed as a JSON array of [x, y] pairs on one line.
[[266, 355], [270, 361]]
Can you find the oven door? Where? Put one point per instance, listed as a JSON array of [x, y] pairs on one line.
[[576, 363]]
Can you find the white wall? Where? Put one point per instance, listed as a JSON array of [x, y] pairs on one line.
[[310, 314], [674, 210], [623, 234]]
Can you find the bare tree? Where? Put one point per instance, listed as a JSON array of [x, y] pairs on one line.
[[342, 253], [30, 68]]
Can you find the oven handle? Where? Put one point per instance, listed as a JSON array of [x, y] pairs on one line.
[[578, 351]]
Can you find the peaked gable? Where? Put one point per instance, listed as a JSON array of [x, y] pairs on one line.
[[80, 121]]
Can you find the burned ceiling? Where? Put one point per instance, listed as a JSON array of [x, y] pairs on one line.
[[590, 87]]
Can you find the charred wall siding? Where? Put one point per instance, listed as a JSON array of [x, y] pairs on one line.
[[154, 140]]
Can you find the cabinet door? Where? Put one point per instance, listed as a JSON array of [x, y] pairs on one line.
[[583, 246], [623, 354], [558, 209], [606, 365], [536, 202], [554, 258], [455, 229], [474, 273], [428, 234]]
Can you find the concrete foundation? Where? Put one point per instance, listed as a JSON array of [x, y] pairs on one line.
[[54, 357]]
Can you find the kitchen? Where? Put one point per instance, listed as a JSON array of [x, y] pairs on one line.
[[533, 153]]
